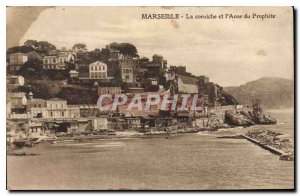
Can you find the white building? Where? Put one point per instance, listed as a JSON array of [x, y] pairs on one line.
[[98, 70], [57, 61], [57, 108]]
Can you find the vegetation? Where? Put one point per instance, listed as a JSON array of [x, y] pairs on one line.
[[125, 49], [80, 46]]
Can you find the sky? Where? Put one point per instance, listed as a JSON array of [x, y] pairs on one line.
[[230, 52]]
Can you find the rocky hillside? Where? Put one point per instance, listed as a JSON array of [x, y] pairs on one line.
[[274, 93]]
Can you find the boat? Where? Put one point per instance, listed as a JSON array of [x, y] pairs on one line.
[[23, 143]]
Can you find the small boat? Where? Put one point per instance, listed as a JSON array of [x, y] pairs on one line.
[[23, 143]]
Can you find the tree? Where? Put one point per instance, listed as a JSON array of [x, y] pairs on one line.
[[45, 47], [32, 43], [95, 55], [125, 48], [31, 68], [21, 49], [41, 47], [80, 46]]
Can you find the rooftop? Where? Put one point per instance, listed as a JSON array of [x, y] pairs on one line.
[[56, 99]]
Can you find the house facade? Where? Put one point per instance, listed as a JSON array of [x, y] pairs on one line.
[[17, 102], [98, 70], [57, 61], [13, 82], [127, 69], [53, 109], [57, 108], [16, 60]]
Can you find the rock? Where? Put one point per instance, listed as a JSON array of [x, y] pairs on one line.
[[287, 157], [262, 118], [242, 118], [214, 121], [237, 118]]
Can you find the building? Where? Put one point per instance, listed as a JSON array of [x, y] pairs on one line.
[[64, 51], [35, 128], [180, 70], [132, 122], [127, 70], [17, 103], [203, 84], [13, 82], [98, 70], [57, 108], [37, 107], [185, 84], [113, 68], [54, 108], [74, 74], [203, 79], [159, 59], [153, 81], [109, 90], [212, 91], [57, 60], [16, 60], [100, 123], [154, 69], [110, 54], [73, 111]]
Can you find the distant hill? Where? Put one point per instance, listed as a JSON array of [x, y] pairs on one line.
[[273, 92]]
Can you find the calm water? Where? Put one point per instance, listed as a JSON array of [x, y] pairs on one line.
[[189, 161]]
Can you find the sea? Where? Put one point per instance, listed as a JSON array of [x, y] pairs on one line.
[[200, 161]]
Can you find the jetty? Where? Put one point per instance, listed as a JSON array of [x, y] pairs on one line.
[[265, 146], [268, 140]]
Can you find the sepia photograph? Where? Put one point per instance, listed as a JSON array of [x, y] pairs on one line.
[[150, 98]]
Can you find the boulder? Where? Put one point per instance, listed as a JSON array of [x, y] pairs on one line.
[[237, 118], [214, 121], [262, 118]]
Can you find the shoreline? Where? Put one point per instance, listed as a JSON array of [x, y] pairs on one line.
[[222, 133]]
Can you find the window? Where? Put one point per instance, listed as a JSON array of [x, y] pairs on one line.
[[62, 113], [40, 105], [51, 114], [54, 60], [92, 68]]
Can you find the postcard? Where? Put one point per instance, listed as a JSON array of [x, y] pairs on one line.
[[150, 98]]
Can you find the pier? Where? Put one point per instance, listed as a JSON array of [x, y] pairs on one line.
[[264, 146]]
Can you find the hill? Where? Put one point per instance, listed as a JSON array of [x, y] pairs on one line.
[[274, 93]]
